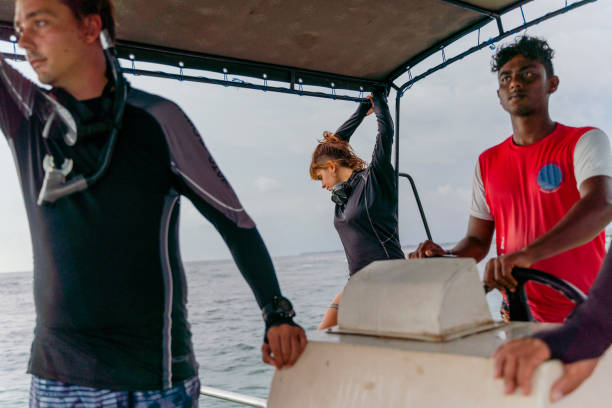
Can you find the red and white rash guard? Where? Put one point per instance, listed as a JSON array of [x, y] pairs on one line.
[[527, 190]]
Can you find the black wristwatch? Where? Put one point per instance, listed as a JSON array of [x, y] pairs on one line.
[[280, 310]]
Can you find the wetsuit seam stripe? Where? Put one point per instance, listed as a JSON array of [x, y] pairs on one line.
[[388, 239], [215, 199], [148, 111], [168, 287], [365, 197], [16, 95]]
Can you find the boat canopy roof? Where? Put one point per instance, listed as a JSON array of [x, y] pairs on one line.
[[343, 44]]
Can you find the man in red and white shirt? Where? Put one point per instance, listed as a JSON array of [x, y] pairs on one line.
[[546, 191]]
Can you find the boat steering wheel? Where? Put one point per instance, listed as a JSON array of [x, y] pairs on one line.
[[517, 301]]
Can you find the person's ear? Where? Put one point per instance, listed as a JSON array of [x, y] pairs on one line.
[[553, 84], [91, 26], [332, 166]]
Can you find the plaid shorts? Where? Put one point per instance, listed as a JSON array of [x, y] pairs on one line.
[[55, 394]]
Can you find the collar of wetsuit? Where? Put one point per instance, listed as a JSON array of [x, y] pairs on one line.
[[342, 191], [354, 178], [93, 116]]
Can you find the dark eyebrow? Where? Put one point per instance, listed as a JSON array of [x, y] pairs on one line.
[[523, 68], [32, 15]]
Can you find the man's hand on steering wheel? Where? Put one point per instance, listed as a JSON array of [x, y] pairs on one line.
[[498, 272]]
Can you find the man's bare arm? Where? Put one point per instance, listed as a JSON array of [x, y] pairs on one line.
[[477, 240], [587, 218], [475, 244]]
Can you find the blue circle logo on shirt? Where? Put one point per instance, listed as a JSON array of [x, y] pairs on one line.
[[550, 178]]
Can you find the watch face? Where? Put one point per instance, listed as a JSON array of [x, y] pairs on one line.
[[280, 308], [284, 304]]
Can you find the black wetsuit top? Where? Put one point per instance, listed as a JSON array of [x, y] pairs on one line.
[[587, 332], [367, 223], [109, 286]]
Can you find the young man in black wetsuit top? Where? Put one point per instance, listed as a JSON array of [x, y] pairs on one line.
[[109, 286]]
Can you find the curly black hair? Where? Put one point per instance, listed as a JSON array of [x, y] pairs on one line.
[[531, 48]]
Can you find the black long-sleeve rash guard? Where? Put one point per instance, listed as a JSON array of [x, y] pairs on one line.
[[367, 223], [587, 332], [109, 286]]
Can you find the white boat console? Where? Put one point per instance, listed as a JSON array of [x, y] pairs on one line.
[[414, 333]]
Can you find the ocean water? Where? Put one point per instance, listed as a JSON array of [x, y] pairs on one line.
[[226, 323]]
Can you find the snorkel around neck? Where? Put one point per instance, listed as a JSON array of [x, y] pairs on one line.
[[55, 185], [341, 193]]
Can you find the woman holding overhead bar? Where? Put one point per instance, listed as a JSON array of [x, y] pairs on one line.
[[365, 195]]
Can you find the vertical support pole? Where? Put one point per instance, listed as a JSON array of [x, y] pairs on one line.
[[500, 26], [398, 98]]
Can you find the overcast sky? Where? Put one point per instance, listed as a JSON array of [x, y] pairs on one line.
[[263, 141]]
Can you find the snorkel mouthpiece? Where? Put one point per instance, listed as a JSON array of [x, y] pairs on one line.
[[54, 184]]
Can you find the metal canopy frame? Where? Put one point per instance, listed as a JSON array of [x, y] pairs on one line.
[[489, 16], [296, 78], [328, 83], [502, 34]]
